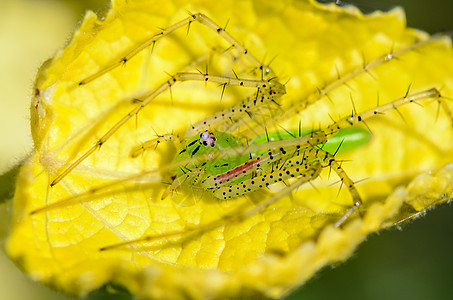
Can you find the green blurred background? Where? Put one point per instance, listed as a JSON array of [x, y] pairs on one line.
[[415, 263]]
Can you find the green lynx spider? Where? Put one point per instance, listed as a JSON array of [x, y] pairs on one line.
[[299, 156]]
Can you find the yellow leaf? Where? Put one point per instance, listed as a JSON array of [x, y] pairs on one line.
[[221, 251]]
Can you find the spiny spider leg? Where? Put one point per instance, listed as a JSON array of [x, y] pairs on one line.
[[199, 17], [301, 104]]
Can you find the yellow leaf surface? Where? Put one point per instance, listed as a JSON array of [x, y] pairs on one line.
[[278, 248]]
